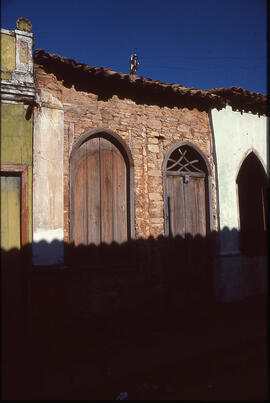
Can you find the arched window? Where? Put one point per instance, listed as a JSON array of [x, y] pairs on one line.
[[252, 182], [100, 190], [186, 191]]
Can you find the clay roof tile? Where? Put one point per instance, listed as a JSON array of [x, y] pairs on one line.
[[236, 97]]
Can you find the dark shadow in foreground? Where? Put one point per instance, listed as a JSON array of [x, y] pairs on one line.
[[141, 315]]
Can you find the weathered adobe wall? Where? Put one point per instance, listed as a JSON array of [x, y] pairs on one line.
[[139, 125]]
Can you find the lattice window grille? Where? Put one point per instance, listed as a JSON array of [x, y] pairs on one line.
[[183, 164]]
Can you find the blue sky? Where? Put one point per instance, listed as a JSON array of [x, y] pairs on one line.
[[201, 44]]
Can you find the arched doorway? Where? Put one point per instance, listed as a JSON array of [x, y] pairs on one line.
[[187, 222], [100, 190], [186, 191], [252, 183]]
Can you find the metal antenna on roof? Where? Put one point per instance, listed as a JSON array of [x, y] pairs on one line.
[[133, 63]]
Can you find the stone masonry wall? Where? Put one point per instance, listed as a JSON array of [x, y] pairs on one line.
[[139, 125]]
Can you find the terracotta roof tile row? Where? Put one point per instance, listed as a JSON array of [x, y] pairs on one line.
[[236, 97]]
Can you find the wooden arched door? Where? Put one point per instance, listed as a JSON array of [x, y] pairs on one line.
[[186, 192], [186, 204], [99, 203]]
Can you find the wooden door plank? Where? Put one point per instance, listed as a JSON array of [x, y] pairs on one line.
[[4, 213], [190, 207], [170, 205], [201, 206], [176, 205], [14, 213], [180, 228], [80, 197], [93, 192], [194, 206], [106, 184], [119, 196]]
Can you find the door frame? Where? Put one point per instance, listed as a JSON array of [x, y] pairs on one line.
[[208, 194], [22, 170]]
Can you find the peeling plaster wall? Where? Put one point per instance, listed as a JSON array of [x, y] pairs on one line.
[[16, 65], [48, 185]]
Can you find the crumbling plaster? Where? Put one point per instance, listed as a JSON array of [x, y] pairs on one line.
[[48, 185]]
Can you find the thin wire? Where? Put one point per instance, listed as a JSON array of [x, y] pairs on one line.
[[192, 68], [203, 67], [204, 57]]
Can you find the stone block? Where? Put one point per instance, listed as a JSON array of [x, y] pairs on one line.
[[153, 148], [154, 172], [154, 124], [155, 196]]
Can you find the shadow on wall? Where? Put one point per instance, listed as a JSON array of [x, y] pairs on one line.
[[102, 294], [121, 276], [141, 277]]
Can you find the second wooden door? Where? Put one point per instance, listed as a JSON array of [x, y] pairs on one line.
[[186, 205]]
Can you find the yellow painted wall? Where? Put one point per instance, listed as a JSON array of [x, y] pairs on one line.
[[7, 56], [16, 144]]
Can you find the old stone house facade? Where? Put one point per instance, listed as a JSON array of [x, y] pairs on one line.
[[113, 154], [122, 198], [129, 177], [149, 118], [160, 130]]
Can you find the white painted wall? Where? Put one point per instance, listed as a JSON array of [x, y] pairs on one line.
[[235, 134], [48, 182]]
